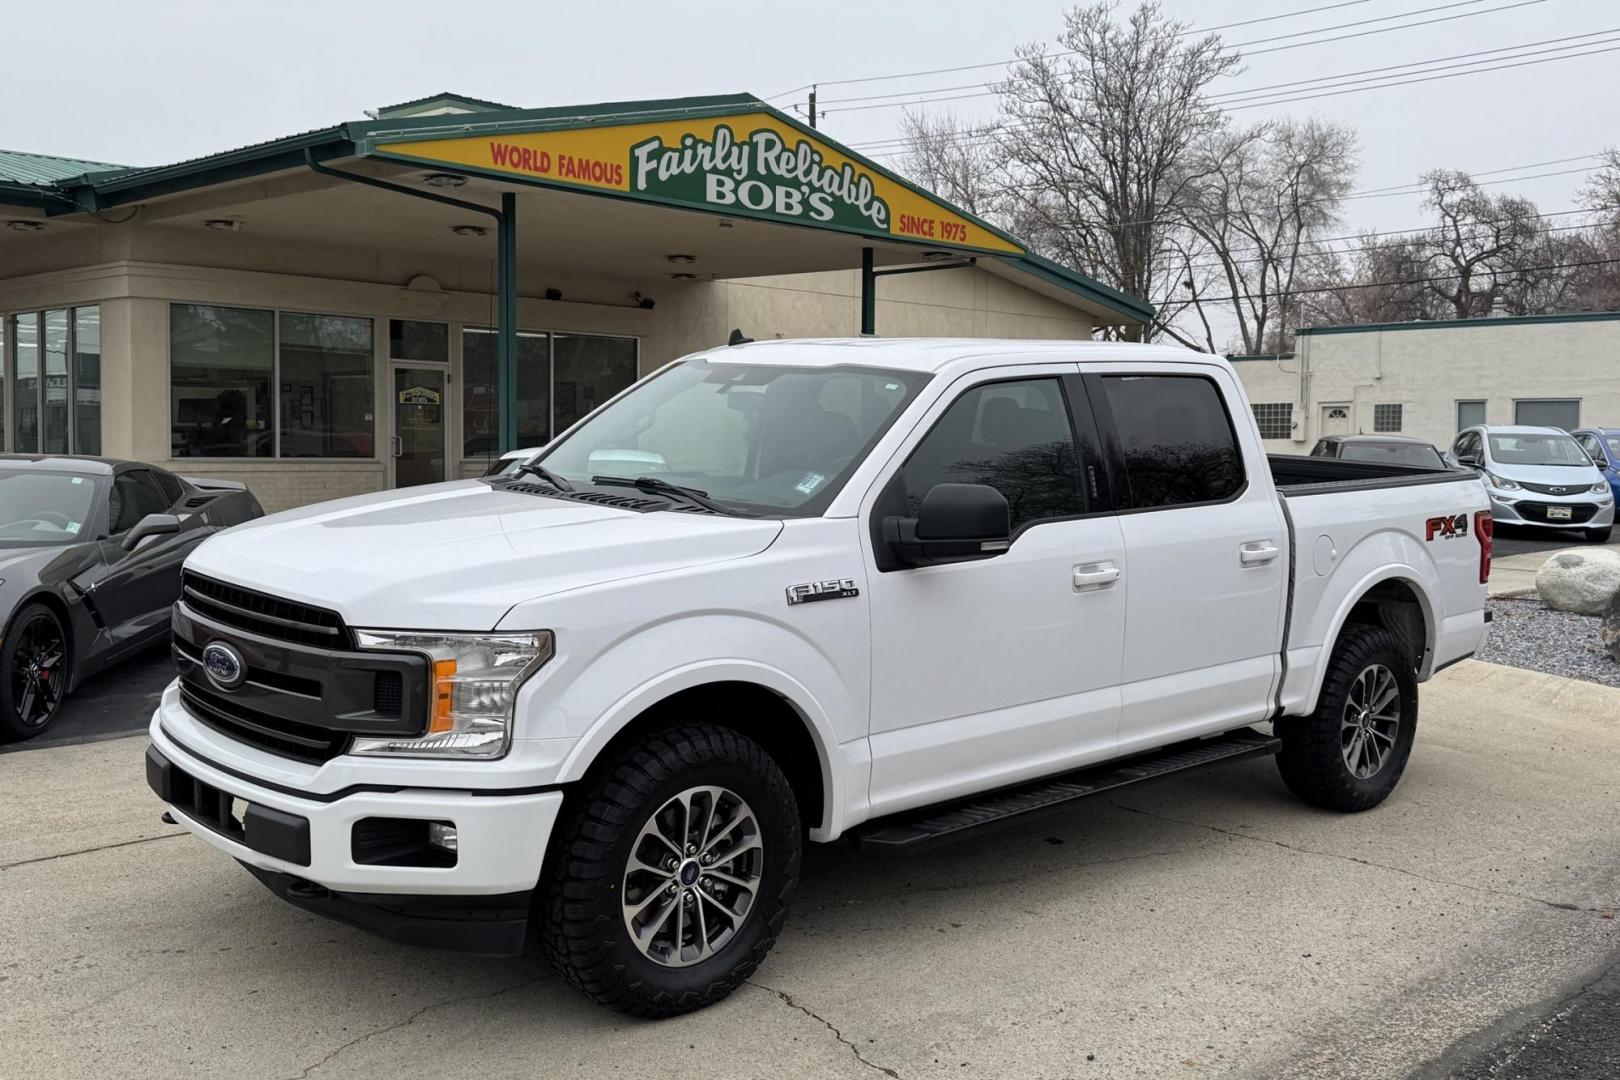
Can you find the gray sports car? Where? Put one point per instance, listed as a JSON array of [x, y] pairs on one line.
[[90, 554]]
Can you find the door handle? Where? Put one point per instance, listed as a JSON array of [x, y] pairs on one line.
[[396, 446], [1258, 552], [1089, 577]]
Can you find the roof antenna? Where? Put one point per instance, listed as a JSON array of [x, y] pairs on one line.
[[737, 338]]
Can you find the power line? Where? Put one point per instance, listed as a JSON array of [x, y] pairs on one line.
[[1426, 280], [1014, 59]]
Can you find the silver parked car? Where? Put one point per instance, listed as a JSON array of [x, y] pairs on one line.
[[1538, 476]]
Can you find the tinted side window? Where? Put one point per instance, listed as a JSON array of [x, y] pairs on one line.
[[1177, 439], [1013, 436], [170, 486], [134, 495]]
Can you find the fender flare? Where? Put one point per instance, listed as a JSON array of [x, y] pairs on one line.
[[661, 687], [1354, 596]]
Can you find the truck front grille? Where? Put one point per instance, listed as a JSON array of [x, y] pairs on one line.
[[267, 616], [302, 742]]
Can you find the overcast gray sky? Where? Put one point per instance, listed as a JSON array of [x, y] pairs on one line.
[[163, 81]]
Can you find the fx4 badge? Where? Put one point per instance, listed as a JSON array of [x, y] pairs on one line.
[[831, 589], [1446, 527]]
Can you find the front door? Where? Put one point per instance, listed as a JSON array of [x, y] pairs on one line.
[[996, 670], [1335, 420], [418, 441]]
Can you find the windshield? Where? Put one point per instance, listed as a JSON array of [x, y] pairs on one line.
[[756, 438], [1537, 449], [1425, 457], [43, 508], [1614, 447]]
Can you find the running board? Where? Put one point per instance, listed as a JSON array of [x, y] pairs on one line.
[[904, 834]]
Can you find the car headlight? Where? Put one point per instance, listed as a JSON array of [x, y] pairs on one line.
[[475, 681], [1501, 482], [1599, 488]]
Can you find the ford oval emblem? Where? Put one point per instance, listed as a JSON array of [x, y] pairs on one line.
[[224, 665]]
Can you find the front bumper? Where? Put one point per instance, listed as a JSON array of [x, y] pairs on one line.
[[1517, 508], [303, 848]]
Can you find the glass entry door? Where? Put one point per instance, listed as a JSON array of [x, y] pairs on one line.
[[418, 442]]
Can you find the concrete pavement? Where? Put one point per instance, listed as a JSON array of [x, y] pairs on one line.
[[1209, 926]]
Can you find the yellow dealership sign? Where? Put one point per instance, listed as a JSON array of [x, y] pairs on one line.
[[752, 164]]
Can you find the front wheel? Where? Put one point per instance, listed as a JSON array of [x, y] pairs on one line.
[[33, 673], [672, 875], [1349, 754]]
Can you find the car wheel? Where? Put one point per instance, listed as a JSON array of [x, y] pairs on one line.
[[1599, 536], [1349, 754], [671, 877], [33, 673]]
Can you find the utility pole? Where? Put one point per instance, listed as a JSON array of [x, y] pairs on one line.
[[812, 106]]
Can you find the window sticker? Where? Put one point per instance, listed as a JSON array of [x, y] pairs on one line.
[[810, 482], [78, 479], [73, 526]]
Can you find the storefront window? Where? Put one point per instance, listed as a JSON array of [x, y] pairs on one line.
[[326, 395], [220, 366], [590, 369], [56, 382], [87, 379], [27, 383], [410, 339], [480, 393]]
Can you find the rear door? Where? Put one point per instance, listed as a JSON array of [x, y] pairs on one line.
[[1206, 551], [1004, 668]]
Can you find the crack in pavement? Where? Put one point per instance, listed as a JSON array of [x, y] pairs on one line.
[[90, 850], [1525, 897], [787, 999], [304, 1073]]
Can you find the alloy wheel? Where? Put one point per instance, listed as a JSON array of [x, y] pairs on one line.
[[37, 670], [1371, 721], [692, 876]]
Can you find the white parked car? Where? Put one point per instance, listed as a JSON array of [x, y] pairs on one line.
[[791, 591], [1538, 476]]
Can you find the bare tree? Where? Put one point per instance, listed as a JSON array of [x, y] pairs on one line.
[[1479, 243], [955, 160], [1095, 140], [1263, 199], [1377, 281]]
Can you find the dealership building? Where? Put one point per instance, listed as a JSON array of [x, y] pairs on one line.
[[1429, 380], [396, 300]]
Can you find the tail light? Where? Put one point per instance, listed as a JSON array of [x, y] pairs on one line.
[[1485, 531]]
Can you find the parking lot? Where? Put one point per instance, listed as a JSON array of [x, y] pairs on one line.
[[1209, 926]]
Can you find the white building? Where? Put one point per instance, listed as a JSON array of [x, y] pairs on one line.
[[1428, 380]]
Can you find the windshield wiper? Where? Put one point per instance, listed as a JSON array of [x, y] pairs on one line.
[[545, 474], [654, 485]]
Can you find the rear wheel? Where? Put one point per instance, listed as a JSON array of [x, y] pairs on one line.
[[34, 662], [1349, 754], [672, 875]]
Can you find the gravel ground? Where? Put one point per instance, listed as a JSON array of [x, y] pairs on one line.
[[1528, 634]]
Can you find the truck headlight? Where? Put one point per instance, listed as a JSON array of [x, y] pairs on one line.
[[1502, 483], [475, 680]]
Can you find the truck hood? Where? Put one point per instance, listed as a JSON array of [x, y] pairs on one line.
[[458, 556]]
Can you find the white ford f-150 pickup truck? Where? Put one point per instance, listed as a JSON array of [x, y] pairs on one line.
[[881, 589]]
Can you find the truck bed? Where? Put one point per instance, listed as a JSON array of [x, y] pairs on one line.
[[1297, 475]]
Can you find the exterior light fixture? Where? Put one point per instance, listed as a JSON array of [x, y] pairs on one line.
[[936, 256], [644, 302], [223, 224], [25, 226], [683, 277], [681, 260], [553, 294], [444, 180], [469, 230], [726, 223]]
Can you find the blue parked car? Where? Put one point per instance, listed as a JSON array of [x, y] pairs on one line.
[[1603, 446]]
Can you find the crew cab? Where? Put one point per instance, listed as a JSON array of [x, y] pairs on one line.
[[795, 591]]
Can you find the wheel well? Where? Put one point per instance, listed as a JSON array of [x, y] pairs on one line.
[[1394, 605], [749, 709]]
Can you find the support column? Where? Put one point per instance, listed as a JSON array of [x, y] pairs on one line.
[[506, 328], [868, 295]]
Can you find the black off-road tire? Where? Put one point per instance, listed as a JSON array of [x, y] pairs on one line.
[[13, 726], [579, 911], [1313, 756]]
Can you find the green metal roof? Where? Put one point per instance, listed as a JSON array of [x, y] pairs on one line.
[[470, 104], [20, 167], [65, 185]]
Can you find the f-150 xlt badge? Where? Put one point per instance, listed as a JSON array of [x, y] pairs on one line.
[[831, 589]]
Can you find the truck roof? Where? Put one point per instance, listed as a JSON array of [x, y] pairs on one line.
[[934, 354]]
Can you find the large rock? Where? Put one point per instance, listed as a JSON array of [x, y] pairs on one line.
[[1609, 631], [1580, 581]]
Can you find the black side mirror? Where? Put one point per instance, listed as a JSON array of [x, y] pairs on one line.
[[956, 523], [150, 525]]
